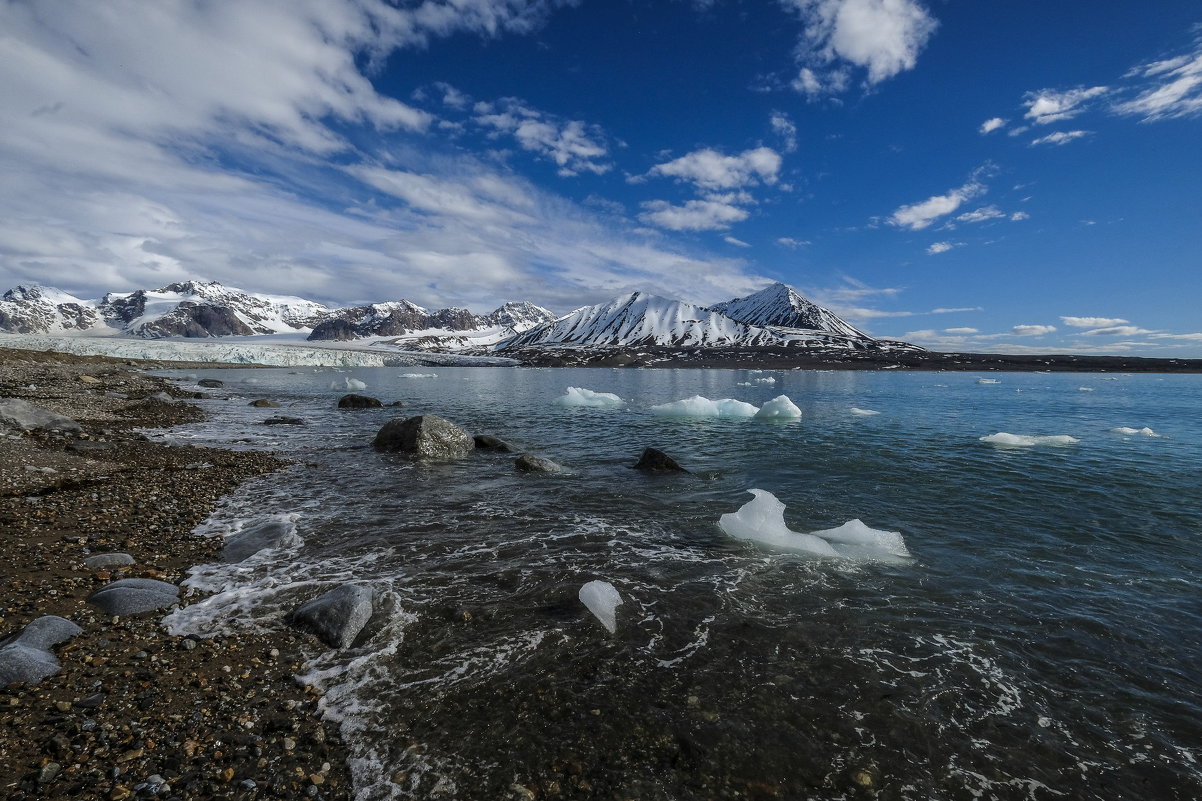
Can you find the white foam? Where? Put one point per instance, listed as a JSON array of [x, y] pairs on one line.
[[602, 599], [779, 408], [762, 520], [1025, 441], [698, 406], [1145, 431], [863, 412], [587, 398]]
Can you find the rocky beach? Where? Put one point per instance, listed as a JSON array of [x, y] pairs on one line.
[[134, 712]]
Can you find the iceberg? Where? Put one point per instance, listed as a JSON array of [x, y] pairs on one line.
[[863, 412], [602, 600], [1145, 431], [698, 406], [1024, 441], [779, 408], [579, 396], [762, 520]]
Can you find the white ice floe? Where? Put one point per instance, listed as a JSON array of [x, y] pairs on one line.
[[579, 396], [602, 600], [1025, 441], [1085, 389], [1145, 431], [988, 381], [779, 408], [354, 383], [755, 382], [762, 520], [419, 375], [698, 406], [863, 412]]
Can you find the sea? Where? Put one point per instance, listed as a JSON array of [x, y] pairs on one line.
[[1042, 639]]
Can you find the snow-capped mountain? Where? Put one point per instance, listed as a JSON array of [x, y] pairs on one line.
[[43, 309], [782, 306], [459, 327]]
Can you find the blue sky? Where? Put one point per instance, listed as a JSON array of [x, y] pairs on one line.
[[1013, 176]]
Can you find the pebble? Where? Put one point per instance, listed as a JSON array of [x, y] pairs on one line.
[[49, 772]]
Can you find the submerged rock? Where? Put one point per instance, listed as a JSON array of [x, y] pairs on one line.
[[654, 460], [426, 435], [102, 560], [263, 403], [133, 596], [336, 617], [353, 401], [529, 463], [27, 656], [486, 442], [211, 383], [254, 538], [283, 420], [16, 413]]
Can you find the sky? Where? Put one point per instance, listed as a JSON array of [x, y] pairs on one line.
[[1009, 177]]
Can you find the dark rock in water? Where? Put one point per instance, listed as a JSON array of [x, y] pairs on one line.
[[528, 463], [211, 383], [427, 435], [654, 460], [397, 403], [283, 420], [256, 537], [27, 657], [263, 403], [354, 401], [16, 413], [336, 617], [102, 560], [133, 596], [485, 442]]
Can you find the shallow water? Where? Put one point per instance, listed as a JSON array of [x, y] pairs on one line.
[[1042, 642]]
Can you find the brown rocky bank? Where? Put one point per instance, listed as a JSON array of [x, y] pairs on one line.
[[134, 712]]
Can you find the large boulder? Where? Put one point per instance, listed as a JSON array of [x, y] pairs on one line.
[[255, 537], [654, 460], [529, 463], [336, 617], [427, 435], [27, 656], [133, 596], [353, 401], [23, 415]]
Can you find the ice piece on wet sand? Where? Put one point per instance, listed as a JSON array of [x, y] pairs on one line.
[[698, 406], [1143, 432], [602, 600], [779, 407], [1025, 441], [579, 396], [762, 520], [863, 412]]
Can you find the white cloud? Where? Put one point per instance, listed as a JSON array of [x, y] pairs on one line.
[[961, 309], [730, 240], [1185, 337], [942, 247], [791, 243], [883, 37], [917, 216], [1032, 330], [574, 146], [1049, 105], [452, 97], [1059, 138], [694, 215], [1117, 331], [710, 170], [982, 214], [961, 331], [1174, 88], [990, 125], [1092, 322], [1019, 216], [783, 127]]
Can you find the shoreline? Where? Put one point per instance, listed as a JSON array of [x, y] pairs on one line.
[[132, 708]]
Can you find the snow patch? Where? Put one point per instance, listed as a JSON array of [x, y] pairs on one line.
[[587, 398]]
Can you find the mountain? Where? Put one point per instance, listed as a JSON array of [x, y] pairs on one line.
[[446, 328], [782, 306]]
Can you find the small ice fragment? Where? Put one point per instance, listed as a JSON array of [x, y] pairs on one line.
[[1085, 389], [579, 396], [762, 520], [1145, 431], [863, 412], [763, 380], [602, 600], [779, 407], [419, 375], [855, 533], [698, 406], [354, 383], [1024, 441], [988, 381]]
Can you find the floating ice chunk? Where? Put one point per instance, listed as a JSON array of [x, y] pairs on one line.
[[602, 600], [763, 380], [762, 520], [698, 406], [1145, 431], [354, 383], [419, 375], [988, 381], [779, 407], [863, 412], [1085, 389], [579, 396], [1024, 441]]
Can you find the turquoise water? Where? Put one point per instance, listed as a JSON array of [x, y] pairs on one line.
[[1042, 642]]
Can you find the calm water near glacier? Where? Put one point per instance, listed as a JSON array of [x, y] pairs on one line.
[[1045, 641]]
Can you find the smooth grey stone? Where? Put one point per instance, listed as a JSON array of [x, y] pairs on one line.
[[109, 560], [427, 435], [263, 403], [45, 632], [133, 596], [487, 442], [354, 401], [26, 656], [16, 413], [528, 463], [654, 460], [161, 397], [336, 617], [211, 383], [254, 538]]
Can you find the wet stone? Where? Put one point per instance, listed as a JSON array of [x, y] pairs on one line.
[[256, 537], [134, 596], [102, 560], [336, 617], [529, 463]]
